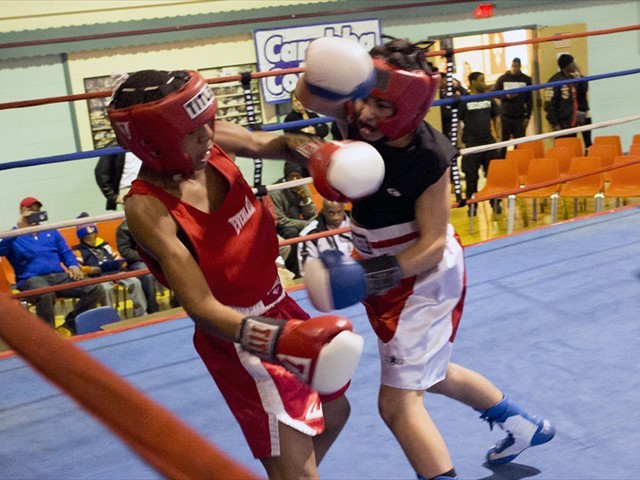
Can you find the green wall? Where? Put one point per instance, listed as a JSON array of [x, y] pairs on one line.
[[68, 188]]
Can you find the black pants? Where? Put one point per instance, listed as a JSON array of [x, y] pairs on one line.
[[471, 165], [88, 296], [586, 135], [512, 127], [148, 287], [291, 262]]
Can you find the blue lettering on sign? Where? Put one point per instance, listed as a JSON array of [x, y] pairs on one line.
[[281, 54]]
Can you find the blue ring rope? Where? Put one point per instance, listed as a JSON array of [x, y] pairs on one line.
[[301, 123]]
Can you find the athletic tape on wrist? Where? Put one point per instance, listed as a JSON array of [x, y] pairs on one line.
[[259, 335], [382, 273]]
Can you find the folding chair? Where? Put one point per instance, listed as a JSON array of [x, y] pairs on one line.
[[607, 153], [6, 279], [572, 142], [522, 157], [536, 145], [92, 320], [589, 186], [636, 139], [625, 181], [634, 150], [501, 177], [609, 140], [543, 170], [564, 156]]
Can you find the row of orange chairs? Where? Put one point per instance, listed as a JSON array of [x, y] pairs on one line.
[[507, 175], [575, 143], [607, 147]]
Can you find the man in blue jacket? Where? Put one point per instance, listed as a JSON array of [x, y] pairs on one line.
[[38, 260]]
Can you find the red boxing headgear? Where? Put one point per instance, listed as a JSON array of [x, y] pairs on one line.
[[411, 92], [155, 131]]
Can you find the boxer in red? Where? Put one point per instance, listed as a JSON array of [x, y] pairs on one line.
[[205, 235]]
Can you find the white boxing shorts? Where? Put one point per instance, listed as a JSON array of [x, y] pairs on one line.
[[416, 321]]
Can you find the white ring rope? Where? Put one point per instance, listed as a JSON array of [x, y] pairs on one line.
[[305, 181], [542, 136]]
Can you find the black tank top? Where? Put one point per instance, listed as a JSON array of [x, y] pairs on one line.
[[409, 171]]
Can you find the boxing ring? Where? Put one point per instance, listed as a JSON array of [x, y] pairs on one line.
[[549, 316]]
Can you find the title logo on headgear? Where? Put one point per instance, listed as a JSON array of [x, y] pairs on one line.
[[199, 102]]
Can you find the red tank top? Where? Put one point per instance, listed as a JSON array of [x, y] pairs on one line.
[[235, 246]]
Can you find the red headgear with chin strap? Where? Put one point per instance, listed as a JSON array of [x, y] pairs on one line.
[[410, 91], [155, 131]]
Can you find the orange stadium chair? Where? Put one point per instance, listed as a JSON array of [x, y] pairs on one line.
[[609, 140], [501, 177], [564, 156], [607, 154], [536, 145], [572, 142], [634, 150], [636, 139], [589, 186], [522, 157], [625, 181], [6, 276], [543, 170]]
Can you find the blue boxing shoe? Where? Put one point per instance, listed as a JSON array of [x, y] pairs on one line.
[[523, 431]]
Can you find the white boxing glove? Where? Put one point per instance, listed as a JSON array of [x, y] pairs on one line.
[[337, 68], [323, 352], [342, 171]]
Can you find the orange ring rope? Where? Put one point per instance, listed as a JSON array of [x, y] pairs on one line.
[[229, 78], [140, 422], [551, 38]]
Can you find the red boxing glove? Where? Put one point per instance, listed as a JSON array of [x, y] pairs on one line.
[[323, 352], [343, 170]]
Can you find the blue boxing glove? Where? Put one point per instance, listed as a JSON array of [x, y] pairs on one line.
[[335, 281]]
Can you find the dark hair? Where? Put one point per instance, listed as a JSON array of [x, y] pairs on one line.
[[564, 60], [474, 76], [401, 53], [290, 167], [148, 86]]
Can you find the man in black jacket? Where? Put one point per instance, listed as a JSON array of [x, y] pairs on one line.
[[561, 101], [515, 108], [114, 174], [108, 172]]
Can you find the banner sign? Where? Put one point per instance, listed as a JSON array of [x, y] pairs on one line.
[[285, 48]]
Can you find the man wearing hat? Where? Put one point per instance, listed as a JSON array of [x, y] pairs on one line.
[[98, 258], [294, 210], [515, 108], [38, 259], [561, 101]]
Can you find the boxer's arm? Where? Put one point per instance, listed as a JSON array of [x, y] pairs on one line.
[[433, 209], [322, 352], [238, 140], [155, 230]]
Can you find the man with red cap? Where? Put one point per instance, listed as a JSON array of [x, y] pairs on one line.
[[38, 258]]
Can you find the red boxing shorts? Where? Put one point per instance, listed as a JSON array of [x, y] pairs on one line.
[[262, 394]]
